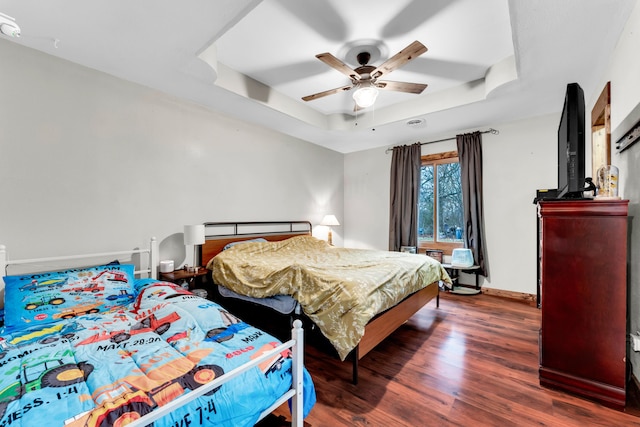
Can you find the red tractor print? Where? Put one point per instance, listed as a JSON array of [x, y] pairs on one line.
[[148, 324], [117, 276], [92, 287]]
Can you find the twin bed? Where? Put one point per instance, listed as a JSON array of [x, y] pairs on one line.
[[96, 346], [109, 345]]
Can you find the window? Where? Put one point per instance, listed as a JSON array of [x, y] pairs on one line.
[[440, 211]]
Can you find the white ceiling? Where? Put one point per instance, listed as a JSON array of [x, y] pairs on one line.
[[488, 61]]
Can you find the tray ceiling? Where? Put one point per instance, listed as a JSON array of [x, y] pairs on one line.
[[488, 62]]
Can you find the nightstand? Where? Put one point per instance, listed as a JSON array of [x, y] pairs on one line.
[[454, 273], [194, 279]]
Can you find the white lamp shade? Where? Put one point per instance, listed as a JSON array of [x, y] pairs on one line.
[[329, 220], [194, 234], [365, 96]]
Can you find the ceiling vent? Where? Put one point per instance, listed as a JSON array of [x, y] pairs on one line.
[[416, 123]]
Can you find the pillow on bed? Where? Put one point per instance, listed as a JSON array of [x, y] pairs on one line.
[[42, 298], [159, 291], [232, 244]]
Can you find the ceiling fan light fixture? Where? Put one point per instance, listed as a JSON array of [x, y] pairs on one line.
[[364, 79], [365, 95]]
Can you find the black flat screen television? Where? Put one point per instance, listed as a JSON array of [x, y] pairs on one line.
[[571, 146]]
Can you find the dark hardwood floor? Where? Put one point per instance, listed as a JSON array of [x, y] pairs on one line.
[[471, 362]]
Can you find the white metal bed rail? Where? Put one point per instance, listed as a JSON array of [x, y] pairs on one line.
[[296, 344], [151, 268]]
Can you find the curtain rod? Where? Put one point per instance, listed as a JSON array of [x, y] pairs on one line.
[[490, 130]]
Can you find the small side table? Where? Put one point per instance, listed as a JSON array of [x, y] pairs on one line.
[[454, 272], [190, 277]]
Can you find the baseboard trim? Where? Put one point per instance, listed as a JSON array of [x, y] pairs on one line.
[[519, 296]]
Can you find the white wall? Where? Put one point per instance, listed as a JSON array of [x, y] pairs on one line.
[[623, 74], [91, 163], [521, 159], [366, 192]]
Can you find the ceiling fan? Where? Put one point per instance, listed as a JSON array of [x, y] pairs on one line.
[[365, 77]]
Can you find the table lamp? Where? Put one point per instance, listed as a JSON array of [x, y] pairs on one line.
[[329, 220], [194, 235]]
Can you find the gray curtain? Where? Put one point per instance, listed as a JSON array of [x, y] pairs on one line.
[[405, 189], [470, 157]]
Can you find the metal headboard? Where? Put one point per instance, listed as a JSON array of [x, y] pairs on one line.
[[249, 228], [218, 234]]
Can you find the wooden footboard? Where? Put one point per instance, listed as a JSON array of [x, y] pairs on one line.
[[385, 323], [388, 321]]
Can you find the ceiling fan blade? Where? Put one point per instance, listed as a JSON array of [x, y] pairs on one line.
[[326, 92], [410, 52], [334, 62], [416, 88]]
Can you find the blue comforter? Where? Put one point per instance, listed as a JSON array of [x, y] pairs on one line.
[[110, 368]]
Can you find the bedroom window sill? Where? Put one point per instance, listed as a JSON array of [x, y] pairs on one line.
[[446, 248]]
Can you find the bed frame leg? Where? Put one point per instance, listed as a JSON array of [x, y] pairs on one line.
[[297, 404], [355, 354]]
